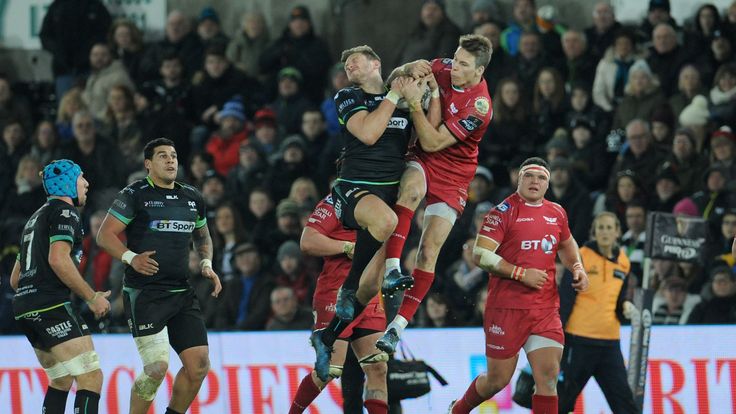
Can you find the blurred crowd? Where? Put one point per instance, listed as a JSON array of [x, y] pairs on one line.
[[634, 117]]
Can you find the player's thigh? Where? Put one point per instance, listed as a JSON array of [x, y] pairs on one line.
[[436, 229], [545, 364], [365, 346], [186, 327], [340, 349], [499, 371], [373, 273], [45, 358], [371, 210], [413, 185], [72, 348]]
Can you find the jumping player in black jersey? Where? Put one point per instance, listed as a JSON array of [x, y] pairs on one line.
[[43, 275], [160, 218], [376, 135]]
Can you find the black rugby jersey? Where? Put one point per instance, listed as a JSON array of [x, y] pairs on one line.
[[39, 287], [382, 162], [163, 220]]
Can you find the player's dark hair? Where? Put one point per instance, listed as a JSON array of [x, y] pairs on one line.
[[364, 49], [151, 146], [536, 161], [478, 46]]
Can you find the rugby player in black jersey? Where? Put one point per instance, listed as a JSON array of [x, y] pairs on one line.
[[43, 275], [376, 135], [160, 217]]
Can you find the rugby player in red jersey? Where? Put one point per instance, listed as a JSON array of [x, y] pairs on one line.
[[442, 166], [517, 245], [325, 236]]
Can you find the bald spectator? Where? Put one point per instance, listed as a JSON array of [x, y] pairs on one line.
[[106, 73], [287, 314], [180, 38], [248, 43], [68, 31], [579, 66], [601, 34], [435, 35], [301, 48], [666, 57], [641, 156]]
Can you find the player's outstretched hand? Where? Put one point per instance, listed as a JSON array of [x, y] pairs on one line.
[[534, 278], [210, 274], [144, 264], [420, 69], [99, 305], [579, 279]]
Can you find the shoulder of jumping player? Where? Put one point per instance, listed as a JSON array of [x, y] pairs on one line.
[[349, 92], [322, 214], [440, 64]]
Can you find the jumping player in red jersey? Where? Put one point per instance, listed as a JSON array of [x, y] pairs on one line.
[[517, 245], [325, 236], [442, 166]]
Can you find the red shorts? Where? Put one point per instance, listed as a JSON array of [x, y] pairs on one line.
[[507, 330], [442, 188], [373, 317]]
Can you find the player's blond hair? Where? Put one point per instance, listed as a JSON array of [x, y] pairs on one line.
[[364, 49], [479, 46]]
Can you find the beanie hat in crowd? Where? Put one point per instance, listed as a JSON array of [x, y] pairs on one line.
[[291, 73], [695, 114], [300, 12], [60, 178], [289, 248], [209, 13], [640, 65], [233, 107], [488, 6], [686, 207]]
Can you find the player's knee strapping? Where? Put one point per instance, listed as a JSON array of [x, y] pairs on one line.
[[154, 350], [373, 359], [56, 372], [440, 210], [82, 364], [335, 371]]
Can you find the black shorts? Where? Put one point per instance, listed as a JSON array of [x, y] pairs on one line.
[[346, 196], [149, 311], [52, 327]]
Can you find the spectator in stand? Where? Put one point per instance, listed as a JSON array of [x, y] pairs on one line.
[[590, 162], [266, 132], [663, 127], [287, 227], [550, 104], [509, 131], [12, 148], [582, 107], [723, 153], [658, 13], [179, 38], [612, 73], [483, 188], [290, 104], [220, 82], [290, 272], [288, 314], [566, 190], [213, 192], [261, 217], [166, 104], [579, 64], [304, 193], [715, 199], [45, 142], [28, 193], [723, 95], [199, 163], [106, 73], [209, 29], [288, 164], [524, 13], [439, 313], [484, 11], [641, 156], [122, 126], [245, 305], [224, 144], [528, 62], [672, 304], [462, 282], [68, 31], [246, 175], [667, 190], [706, 22], [228, 233], [13, 107], [68, 106], [688, 86], [314, 132], [642, 95], [338, 81], [601, 34], [719, 52], [301, 48], [249, 42], [729, 20], [435, 35], [666, 57], [686, 163], [625, 189], [634, 238], [126, 43], [719, 304], [696, 117], [500, 64]]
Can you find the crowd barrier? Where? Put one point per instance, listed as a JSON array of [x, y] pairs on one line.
[[692, 370]]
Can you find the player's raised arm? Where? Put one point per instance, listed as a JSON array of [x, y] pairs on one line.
[[369, 126]]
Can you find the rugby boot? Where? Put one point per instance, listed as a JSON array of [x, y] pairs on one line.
[[387, 343], [324, 353], [394, 281]]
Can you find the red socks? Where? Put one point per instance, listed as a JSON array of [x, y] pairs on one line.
[[470, 400], [414, 296], [395, 243], [544, 404], [376, 406], [305, 394]]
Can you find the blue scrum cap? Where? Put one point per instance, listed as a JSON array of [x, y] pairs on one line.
[[60, 178]]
